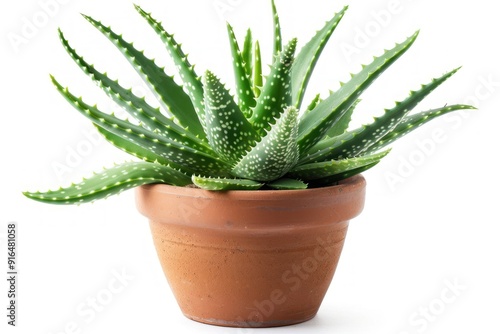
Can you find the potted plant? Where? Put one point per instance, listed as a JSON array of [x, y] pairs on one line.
[[248, 197]]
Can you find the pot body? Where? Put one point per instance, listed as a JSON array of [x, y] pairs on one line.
[[250, 258]]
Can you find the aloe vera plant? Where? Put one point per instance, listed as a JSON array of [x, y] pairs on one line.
[[262, 138]]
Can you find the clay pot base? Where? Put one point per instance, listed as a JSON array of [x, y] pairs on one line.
[[249, 324], [277, 277]]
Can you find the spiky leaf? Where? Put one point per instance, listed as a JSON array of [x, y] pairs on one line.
[[308, 57], [140, 152], [328, 181], [369, 135], [314, 103], [257, 70], [136, 106], [287, 184], [247, 53], [210, 183], [343, 122], [366, 136], [170, 150], [191, 80], [112, 181], [276, 95], [328, 169], [229, 132], [413, 122], [244, 91], [322, 150], [314, 126], [278, 41], [170, 94], [275, 154], [131, 148]]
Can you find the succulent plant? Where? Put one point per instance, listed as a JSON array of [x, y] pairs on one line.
[[263, 138]]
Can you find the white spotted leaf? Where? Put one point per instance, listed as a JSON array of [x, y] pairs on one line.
[[413, 122], [191, 80], [229, 132], [308, 57], [112, 181], [315, 125], [276, 95], [136, 106], [328, 169], [355, 142], [224, 184], [275, 154], [244, 91], [177, 152], [170, 94]]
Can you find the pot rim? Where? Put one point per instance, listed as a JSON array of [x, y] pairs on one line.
[[347, 185]]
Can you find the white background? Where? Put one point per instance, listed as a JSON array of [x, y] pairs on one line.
[[436, 223]]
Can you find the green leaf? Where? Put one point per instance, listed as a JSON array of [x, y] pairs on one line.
[[323, 150], [328, 181], [343, 122], [170, 94], [276, 95], [191, 80], [111, 182], [210, 183], [247, 53], [178, 153], [138, 151], [137, 107], [244, 91], [315, 125], [278, 41], [413, 122], [367, 135], [287, 184], [328, 169], [275, 154], [308, 57], [132, 148], [314, 103], [257, 71], [229, 132]]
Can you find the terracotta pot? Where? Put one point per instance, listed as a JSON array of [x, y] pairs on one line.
[[250, 258]]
